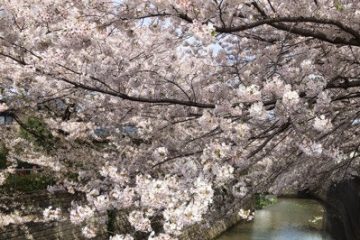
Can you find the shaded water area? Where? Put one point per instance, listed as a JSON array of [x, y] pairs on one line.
[[288, 219]]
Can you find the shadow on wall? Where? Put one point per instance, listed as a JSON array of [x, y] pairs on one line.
[[6, 118], [343, 210]]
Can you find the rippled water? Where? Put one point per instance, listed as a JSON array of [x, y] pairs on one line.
[[288, 219]]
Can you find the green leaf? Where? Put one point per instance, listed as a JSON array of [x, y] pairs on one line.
[[338, 5]]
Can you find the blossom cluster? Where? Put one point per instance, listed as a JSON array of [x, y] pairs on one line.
[[190, 96], [246, 214], [51, 214], [80, 214], [322, 124], [139, 221]]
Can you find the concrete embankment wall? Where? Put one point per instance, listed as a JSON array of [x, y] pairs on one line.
[[203, 232], [343, 211], [32, 206], [224, 218], [342, 202]]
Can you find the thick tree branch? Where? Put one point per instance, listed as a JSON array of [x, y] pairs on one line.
[[135, 99], [118, 94], [278, 23]]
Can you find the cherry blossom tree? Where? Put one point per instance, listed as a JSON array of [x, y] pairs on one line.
[[157, 106]]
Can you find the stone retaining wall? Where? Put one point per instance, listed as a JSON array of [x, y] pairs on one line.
[[216, 225], [32, 206], [203, 232], [342, 202]]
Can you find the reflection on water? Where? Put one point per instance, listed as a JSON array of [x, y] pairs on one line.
[[288, 219]]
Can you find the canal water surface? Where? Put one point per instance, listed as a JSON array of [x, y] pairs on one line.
[[288, 219]]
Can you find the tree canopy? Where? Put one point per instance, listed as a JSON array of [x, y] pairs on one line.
[[155, 105]]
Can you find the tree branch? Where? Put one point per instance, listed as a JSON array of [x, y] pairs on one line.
[[278, 24], [136, 99]]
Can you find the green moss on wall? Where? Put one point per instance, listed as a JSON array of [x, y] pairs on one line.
[[27, 183], [3, 155], [110, 225], [262, 200], [36, 131]]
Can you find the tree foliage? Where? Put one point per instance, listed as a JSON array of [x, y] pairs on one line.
[[194, 96]]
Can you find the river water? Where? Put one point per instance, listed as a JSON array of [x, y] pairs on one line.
[[288, 219]]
